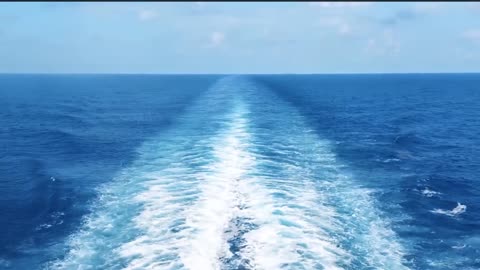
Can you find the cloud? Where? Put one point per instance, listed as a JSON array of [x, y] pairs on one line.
[[147, 15], [216, 39], [371, 45], [339, 4], [339, 24], [387, 43], [472, 34], [344, 29]]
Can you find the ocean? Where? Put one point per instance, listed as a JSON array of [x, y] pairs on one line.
[[367, 171]]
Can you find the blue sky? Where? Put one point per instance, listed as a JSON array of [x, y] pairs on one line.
[[209, 37]]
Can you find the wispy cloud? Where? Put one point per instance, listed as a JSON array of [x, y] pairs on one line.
[[340, 24], [344, 29], [147, 15], [386, 44], [472, 34], [216, 39]]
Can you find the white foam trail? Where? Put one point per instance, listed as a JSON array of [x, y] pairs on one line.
[[459, 209], [293, 224], [304, 226], [202, 241], [141, 219], [329, 220], [211, 216], [175, 207], [289, 235], [290, 232]]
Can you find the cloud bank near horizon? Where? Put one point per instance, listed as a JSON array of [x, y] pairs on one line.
[[214, 37]]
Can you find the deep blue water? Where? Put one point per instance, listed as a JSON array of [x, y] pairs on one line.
[[240, 172]]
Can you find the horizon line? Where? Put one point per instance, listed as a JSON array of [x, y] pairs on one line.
[[226, 74]]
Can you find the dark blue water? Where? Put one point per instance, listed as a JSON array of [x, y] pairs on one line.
[[240, 172]]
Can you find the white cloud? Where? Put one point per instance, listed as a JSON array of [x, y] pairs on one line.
[[216, 39], [371, 45], [391, 42], [146, 15], [386, 44], [344, 29], [339, 4], [338, 23], [472, 34]]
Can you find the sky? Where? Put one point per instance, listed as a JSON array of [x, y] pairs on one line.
[[239, 38]]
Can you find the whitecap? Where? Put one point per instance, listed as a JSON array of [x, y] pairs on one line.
[[459, 209], [430, 193], [459, 246]]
